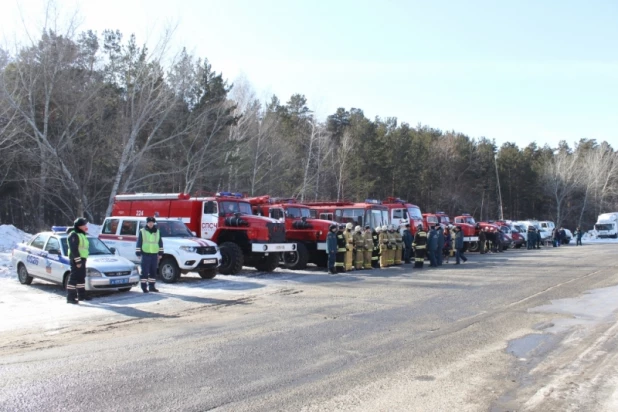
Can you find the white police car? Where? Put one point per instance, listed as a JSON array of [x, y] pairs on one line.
[[45, 256]]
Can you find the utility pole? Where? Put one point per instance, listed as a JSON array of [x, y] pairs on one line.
[[499, 191]]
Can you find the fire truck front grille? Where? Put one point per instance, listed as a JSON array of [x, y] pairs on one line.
[[276, 232], [206, 250]]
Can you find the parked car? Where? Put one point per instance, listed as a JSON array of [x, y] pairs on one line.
[[45, 256], [184, 252]]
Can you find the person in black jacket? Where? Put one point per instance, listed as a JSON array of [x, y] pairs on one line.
[[78, 254], [420, 245], [407, 243]]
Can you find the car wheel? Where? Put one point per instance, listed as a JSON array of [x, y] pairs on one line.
[[65, 280], [169, 270], [472, 246], [208, 273], [124, 289], [22, 275]]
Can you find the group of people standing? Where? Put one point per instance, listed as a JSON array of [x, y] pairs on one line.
[[352, 248]]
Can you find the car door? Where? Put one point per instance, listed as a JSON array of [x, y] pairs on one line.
[[55, 264], [35, 262], [127, 238]]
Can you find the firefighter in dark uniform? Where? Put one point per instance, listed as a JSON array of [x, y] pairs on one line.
[[78, 254], [341, 249], [407, 240], [420, 245], [375, 255], [531, 238], [368, 252], [150, 248], [331, 248]]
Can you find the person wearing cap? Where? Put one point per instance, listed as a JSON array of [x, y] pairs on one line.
[[368, 248], [432, 246], [78, 254], [359, 247], [349, 253], [331, 248], [419, 245], [407, 240], [150, 248], [439, 250]]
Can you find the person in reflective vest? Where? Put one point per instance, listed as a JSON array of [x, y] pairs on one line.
[[398, 252], [78, 254], [420, 246], [359, 247], [150, 248], [383, 239], [349, 253]]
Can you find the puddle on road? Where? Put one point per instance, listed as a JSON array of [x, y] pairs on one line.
[[527, 345]]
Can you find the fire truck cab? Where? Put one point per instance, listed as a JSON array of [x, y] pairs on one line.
[[371, 212], [225, 218], [308, 233], [402, 212], [468, 226]]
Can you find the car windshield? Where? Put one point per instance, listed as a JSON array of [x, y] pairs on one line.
[[298, 212], [432, 219], [173, 228], [604, 226], [95, 247], [377, 217]]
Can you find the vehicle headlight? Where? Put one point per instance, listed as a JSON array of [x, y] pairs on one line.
[[190, 249], [93, 273], [135, 271]]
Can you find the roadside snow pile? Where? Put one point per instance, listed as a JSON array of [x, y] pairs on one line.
[[591, 237], [11, 236]]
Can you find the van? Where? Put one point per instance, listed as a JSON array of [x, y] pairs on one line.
[[606, 226]]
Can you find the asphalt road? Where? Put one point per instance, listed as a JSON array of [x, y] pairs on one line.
[[399, 339]]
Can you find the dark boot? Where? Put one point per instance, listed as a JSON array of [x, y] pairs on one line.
[[81, 295], [71, 296], [151, 287]]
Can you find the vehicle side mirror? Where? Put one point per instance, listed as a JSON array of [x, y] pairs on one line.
[[113, 250]]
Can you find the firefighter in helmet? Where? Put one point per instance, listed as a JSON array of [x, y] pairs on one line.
[[392, 245], [420, 246], [359, 247], [375, 255], [331, 248], [341, 249], [349, 254], [383, 238], [368, 247], [398, 246]]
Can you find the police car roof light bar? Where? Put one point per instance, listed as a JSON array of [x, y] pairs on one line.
[[59, 229]]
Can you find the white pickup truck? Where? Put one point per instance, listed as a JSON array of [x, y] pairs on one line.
[[45, 257], [184, 252]]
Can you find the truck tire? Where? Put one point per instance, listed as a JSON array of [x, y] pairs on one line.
[[231, 258], [268, 263], [472, 246], [169, 272], [296, 260], [23, 275], [208, 273]]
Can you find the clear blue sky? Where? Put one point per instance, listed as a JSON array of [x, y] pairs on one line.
[[518, 71]]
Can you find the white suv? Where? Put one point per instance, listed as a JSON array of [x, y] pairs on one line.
[[184, 252]]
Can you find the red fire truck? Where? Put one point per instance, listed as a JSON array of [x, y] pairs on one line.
[[371, 212], [401, 211], [443, 219], [470, 231], [430, 219], [225, 218], [309, 234]]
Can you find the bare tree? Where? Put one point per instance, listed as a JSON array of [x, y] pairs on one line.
[[342, 157], [561, 177]]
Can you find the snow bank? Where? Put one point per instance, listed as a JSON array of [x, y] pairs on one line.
[[11, 236]]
